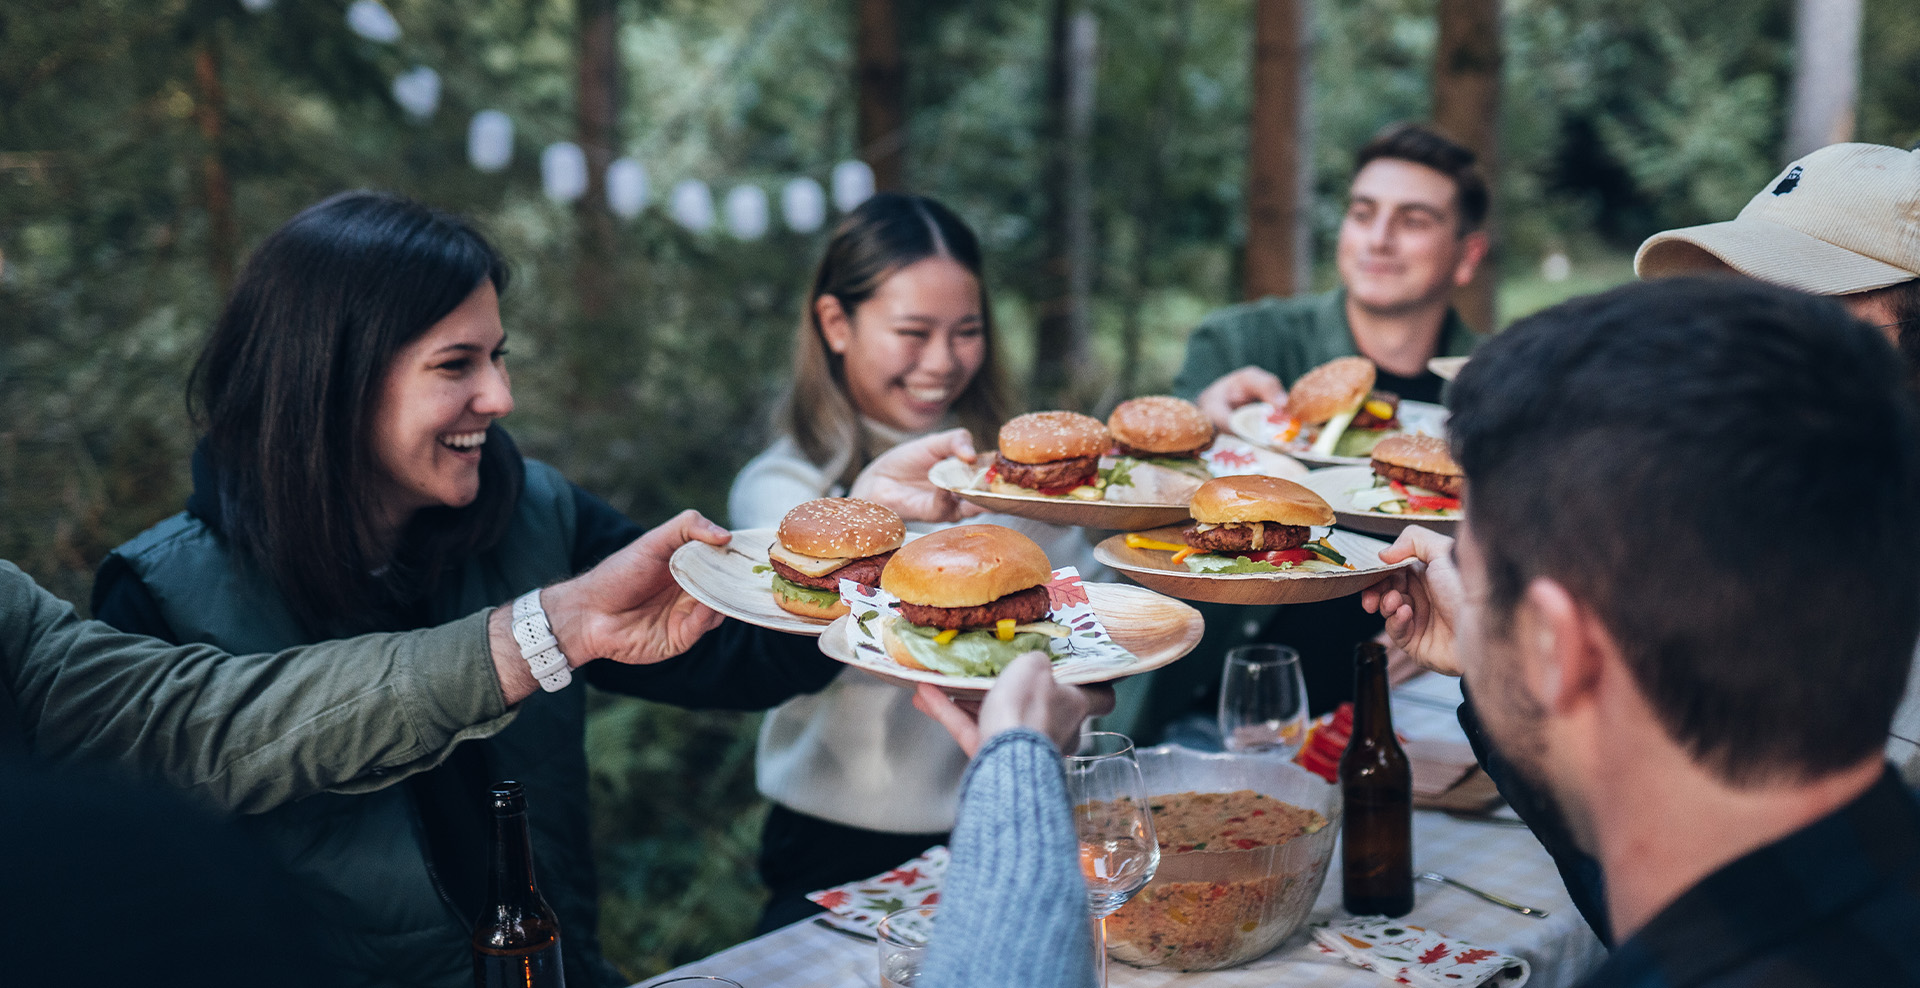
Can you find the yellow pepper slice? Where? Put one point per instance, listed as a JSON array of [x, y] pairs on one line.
[[1003, 629], [1181, 556], [1137, 541], [1379, 409], [1291, 432], [947, 635]]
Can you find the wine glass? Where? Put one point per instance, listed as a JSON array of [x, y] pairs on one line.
[[1263, 700], [1118, 850]]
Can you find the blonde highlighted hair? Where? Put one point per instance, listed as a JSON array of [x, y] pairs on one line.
[[886, 233]]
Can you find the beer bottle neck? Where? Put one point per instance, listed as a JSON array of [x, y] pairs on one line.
[[510, 882], [1372, 715]]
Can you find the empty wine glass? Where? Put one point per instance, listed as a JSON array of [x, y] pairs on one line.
[[1118, 850], [1263, 700]]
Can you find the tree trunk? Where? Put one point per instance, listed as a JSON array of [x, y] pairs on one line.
[[1826, 74], [596, 110], [1149, 201], [881, 83], [209, 116], [1280, 150], [1466, 106], [1060, 340]]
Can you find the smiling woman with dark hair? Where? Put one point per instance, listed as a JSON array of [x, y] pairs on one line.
[[354, 478]]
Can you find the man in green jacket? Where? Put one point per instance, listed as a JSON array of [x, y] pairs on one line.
[[1411, 235], [248, 733]]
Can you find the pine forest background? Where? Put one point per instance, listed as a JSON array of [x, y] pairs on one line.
[[646, 358]]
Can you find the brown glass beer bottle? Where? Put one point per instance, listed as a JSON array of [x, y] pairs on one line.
[[517, 940], [1376, 784]]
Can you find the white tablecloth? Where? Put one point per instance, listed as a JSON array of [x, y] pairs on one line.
[[1504, 860]]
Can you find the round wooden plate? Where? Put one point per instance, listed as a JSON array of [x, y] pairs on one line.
[[722, 578], [1155, 569], [1250, 423], [1155, 628], [965, 480], [968, 480], [1446, 368], [1337, 484]]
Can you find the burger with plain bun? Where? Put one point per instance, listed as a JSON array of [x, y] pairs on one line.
[[972, 599], [1413, 475], [1257, 525], [827, 540], [1056, 454]]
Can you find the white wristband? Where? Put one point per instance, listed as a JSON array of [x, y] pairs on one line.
[[537, 644]]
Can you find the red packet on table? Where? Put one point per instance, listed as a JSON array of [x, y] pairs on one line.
[[859, 906], [1418, 956]]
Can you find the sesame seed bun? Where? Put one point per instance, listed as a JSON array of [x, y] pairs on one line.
[[1329, 389], [1224, 500], [841, 528], [1160, 424], [966, 566], [1043, 437], [1423, 453]]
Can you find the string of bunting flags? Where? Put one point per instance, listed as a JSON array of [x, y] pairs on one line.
[[745, 209]]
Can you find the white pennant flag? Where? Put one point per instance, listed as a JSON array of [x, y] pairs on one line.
[[490, 140], [852, 185], [417, 91], [803, 204], [626, 187], [373, 21], [747, 212], [563, 171], [692, 205]]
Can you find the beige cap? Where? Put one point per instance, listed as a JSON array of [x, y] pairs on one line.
[[1843, 219]]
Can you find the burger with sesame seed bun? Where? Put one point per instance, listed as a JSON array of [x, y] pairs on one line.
[[827, 540], [1056, 454], [1257, 525], [1157, 440], [1413, 474]]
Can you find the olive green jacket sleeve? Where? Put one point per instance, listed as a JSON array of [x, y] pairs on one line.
[[245, 733]]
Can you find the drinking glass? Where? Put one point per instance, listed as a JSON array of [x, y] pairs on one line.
[[1118, 850], [904, 937], [1263, 700]]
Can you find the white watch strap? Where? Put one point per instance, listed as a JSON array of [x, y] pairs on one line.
[[537, 644]]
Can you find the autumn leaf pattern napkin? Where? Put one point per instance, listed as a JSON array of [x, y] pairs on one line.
[[1417, 956], [859, 906]]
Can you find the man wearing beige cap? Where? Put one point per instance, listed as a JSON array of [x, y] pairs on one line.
[[1842, 221]]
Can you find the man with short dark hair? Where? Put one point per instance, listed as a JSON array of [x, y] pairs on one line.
[[1411, 235], [1702, 707]]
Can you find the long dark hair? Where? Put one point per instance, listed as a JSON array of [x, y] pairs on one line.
[[287, 387], [886, 233]]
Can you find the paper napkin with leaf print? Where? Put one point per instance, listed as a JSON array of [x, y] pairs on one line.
[[1418, 956], [859, 906]]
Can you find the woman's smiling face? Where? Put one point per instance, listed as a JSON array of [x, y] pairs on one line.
[[441, 392], [913, 346]]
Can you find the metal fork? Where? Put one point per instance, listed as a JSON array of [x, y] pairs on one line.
[[1439, 879]]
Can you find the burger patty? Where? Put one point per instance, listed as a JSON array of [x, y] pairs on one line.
[[1054, 473], [864, 571], [1240, 537], [1364, 419], [1021, 605], [1145, 454], [1444, 483]]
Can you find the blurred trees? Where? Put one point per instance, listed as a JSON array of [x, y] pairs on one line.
[[1621, 117]]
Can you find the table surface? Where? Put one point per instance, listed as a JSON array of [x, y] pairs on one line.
[[1501, 859]]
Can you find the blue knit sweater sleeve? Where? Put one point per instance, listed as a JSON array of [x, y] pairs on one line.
[[1013, 911]]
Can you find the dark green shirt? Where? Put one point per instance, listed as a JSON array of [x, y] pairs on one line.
[[1287, 337]]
